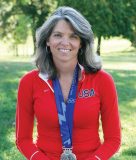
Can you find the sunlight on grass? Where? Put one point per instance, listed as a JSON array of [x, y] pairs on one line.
[[120, 65], [11, 58], [114, 45], [7, 48], [133, 103]]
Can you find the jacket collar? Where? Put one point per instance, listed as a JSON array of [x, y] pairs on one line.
[[45, 76]]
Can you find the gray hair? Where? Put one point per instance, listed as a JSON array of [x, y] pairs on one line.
[[86, 56]]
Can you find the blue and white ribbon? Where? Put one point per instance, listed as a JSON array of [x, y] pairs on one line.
[[65, 110]]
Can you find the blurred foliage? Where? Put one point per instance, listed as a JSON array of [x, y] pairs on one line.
[[18, 18], [108, 18]]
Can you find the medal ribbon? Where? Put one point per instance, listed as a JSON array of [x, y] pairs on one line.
[[66, 110]]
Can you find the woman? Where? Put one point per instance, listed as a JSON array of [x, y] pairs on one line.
[[67, 95]]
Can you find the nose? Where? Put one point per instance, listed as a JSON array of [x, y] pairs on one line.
[[65, 41]]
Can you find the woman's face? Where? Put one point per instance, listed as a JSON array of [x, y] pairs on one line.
[[64, 43]]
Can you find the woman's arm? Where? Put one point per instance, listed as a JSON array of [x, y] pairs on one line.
[[25, 120]]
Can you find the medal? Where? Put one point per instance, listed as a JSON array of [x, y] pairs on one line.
[[67, 154]]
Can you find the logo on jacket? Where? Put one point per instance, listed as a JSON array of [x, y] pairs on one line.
[[85, 93]]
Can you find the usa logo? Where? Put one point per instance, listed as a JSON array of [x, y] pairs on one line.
[[85, 93]]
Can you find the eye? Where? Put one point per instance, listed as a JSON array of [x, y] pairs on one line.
[[75, 36], [57, 35]]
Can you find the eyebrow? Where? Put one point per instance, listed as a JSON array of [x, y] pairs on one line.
[[56, 32], [62, 32]]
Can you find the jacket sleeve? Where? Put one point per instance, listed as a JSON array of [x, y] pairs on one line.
[[25, 120], [109, 118]]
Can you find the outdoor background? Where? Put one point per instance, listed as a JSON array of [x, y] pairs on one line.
[[114, 26]]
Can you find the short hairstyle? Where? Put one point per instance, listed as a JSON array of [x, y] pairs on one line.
[[86, 56]]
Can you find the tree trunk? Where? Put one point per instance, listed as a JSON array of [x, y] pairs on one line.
[[99, 46], [16, 50], [34, 46], [33, 30]]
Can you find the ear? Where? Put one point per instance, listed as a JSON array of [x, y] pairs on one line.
[[47, 43]]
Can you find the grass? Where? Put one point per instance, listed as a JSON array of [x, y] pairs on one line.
[[123, 68], [120, 64], [10, 73]]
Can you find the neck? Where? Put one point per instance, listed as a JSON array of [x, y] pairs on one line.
[[65, 70]]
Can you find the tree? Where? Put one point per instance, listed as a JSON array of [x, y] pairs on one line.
[[23, 16], [20, 33], [131, 16], [124, 19]]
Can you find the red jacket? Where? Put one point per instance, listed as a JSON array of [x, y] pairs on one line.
[[96, 98]]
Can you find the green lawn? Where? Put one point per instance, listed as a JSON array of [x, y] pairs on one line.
[[121, 65]]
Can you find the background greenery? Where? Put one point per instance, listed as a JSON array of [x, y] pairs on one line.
[[19, 20], [119, 61]]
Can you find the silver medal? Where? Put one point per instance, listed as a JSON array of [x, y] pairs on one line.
[[67, 154]]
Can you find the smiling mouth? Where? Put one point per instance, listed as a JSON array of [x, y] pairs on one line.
[[65, 50]]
